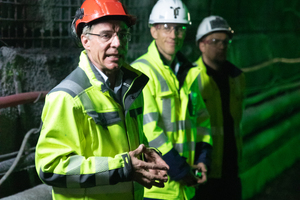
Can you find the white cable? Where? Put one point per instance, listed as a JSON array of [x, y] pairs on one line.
[[12, 167]]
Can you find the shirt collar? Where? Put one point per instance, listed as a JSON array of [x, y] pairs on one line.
[[106, 81]]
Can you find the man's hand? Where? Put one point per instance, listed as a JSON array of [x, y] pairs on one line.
[[150, 173], [190, 179], [201, 167]]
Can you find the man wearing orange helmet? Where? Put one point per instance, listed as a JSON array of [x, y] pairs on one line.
[[92, 143]]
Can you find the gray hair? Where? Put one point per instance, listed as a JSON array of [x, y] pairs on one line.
[[87, 29]]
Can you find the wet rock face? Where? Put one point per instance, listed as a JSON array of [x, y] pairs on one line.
[[21, 71], [29, 70], [34, 69]]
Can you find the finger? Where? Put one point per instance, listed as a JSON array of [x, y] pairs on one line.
[[162, 173], [161, 162], [195, 167], [203, 179], [141, 179], [159, 184], [138, 151], [157, 166], [202, 167], [155, 176]]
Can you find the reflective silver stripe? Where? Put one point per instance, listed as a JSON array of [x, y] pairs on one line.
[[70, 85], [74, 165], [150, 117], [122, 187], [102, 170], [101, 164], [166, 116], [166, 122], [163, 84], [160, 140], [203, 131], [73, 169], [184, 147], [86, 102], [103, 119], [170, 126], [182, 124]]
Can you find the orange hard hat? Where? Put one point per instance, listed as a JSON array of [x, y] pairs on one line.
[[95, 9]]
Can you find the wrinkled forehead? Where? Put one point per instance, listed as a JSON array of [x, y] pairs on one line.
[[110, 25]]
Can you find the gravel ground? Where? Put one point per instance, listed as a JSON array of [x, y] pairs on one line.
[[284, 187]]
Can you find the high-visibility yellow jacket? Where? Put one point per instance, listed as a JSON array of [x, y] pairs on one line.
[[87, 132], [211, 95], [175, 119]]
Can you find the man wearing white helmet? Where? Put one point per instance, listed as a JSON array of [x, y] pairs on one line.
[[175, 117], [222, 88]]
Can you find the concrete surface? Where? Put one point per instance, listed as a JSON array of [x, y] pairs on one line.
[[36, 193]]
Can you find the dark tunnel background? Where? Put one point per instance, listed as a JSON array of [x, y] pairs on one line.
[[37, 51]]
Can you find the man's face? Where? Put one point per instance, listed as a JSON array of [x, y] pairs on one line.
[[169, 38], [214, 47], [107, 49]]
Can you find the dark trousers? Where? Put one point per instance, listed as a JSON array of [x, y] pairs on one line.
[[216, 189]]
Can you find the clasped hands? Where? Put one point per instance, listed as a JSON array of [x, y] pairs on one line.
[[152, 172]]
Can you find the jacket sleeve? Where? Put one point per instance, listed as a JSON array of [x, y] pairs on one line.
[[204, 140], [61, 160]]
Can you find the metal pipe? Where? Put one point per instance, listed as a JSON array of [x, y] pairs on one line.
[[22, 98]]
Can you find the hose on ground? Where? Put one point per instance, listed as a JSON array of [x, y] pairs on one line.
[[11, 169]]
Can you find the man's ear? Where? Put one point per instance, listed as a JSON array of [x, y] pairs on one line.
[[202, 46], [154, 32], [85, 41]]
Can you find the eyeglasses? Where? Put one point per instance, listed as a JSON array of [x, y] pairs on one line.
[[168, 28], [217, 42], [107, 36]]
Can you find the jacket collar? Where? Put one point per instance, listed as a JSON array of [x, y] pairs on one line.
[[185, 65]]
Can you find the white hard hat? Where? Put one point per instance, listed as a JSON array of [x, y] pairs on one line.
[[213, 24], [169, 11]]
